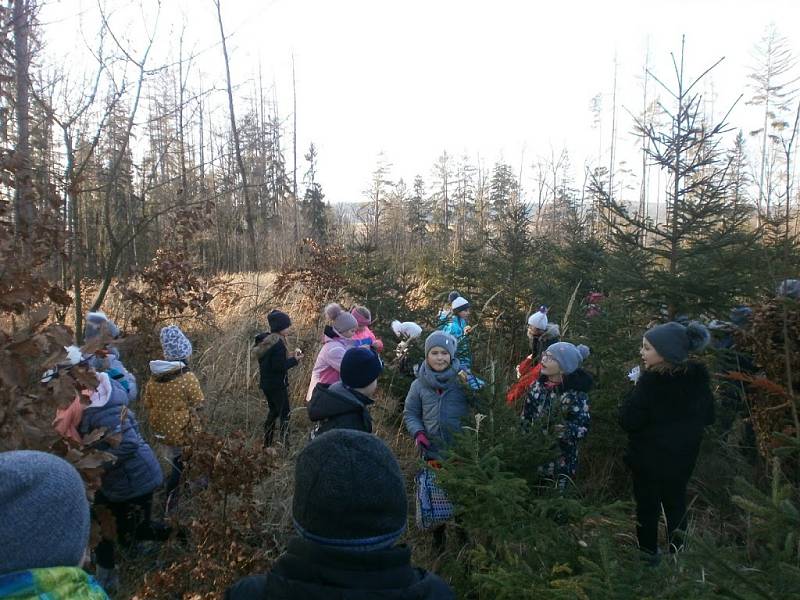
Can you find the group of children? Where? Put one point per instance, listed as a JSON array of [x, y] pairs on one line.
[[47, 564], [349, 505], [664, 414]]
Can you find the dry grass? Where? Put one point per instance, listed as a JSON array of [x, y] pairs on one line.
[[234, 401]]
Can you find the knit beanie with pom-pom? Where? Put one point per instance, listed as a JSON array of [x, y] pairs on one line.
[[568, 356], [340, 318], [539, 319], [674, 341]]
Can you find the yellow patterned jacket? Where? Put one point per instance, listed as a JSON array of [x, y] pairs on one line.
[[172, 398]]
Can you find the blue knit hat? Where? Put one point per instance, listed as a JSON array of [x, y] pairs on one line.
[[44, 514], [442, 340], [175, 344], [568, 356], [349, 492], [360, 367], [674, 341]]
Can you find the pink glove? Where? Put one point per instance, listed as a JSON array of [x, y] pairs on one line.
[[422, 440], [378, 345]]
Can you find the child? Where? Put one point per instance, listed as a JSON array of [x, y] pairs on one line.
[[363, 335], [106, 358], [128, 483], [349, 509], [664, 415], [274, 364], [44, 527], [336, 339], [558, 402], [173, 398], [345, 405], [436, 403], [541, 335], [456, 325]]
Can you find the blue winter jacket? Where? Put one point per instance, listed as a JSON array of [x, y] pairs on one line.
[[436, 404], [455, 326], [136, 471], [112, 365]]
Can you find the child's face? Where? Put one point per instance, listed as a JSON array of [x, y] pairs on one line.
[[650, 357], [361, 328], [534, 332], [348, 333], [550, 366], [463, 313], [438, 358], [285, 332]]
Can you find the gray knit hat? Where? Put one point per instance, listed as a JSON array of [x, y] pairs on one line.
[[568, 356], [96, 322], [349, 492], [175, 344], [674, 341], [44, 514], [442, 340], [341, 319]]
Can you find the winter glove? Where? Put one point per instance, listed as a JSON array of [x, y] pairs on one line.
[[377, 345], [422, 440]]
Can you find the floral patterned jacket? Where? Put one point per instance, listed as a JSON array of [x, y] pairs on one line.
[[563, 411]]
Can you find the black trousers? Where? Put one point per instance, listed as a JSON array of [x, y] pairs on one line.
[[133, 521], [652, 492], [278, 402]]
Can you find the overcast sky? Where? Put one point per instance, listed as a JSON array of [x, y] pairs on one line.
[[509, 80]]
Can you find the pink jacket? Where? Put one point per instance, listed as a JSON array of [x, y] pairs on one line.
[[329, 361], [367, 338]]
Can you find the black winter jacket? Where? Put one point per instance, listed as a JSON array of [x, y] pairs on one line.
[[338, 407], [273, 363], [308, 571], [665, 415]]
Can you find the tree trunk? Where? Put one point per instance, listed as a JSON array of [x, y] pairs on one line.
[[248, 208], [23, 197]]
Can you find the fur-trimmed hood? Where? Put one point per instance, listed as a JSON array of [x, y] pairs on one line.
[[264, 345]]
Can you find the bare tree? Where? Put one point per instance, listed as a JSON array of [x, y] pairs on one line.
[[248, 207], [24, 209], [773, 91]]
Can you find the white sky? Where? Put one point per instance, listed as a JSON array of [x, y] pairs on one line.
[[501, 79]]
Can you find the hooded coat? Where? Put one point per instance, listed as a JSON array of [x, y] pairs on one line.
[[338, 407], [366, 337], [273, 362], [308, 571], [172, 398], [329, 360], [665, 415], [112, 365], [562, 410], [436, 404], [136, 471]]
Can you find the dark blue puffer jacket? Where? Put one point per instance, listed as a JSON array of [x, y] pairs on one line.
[[136, 471]]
